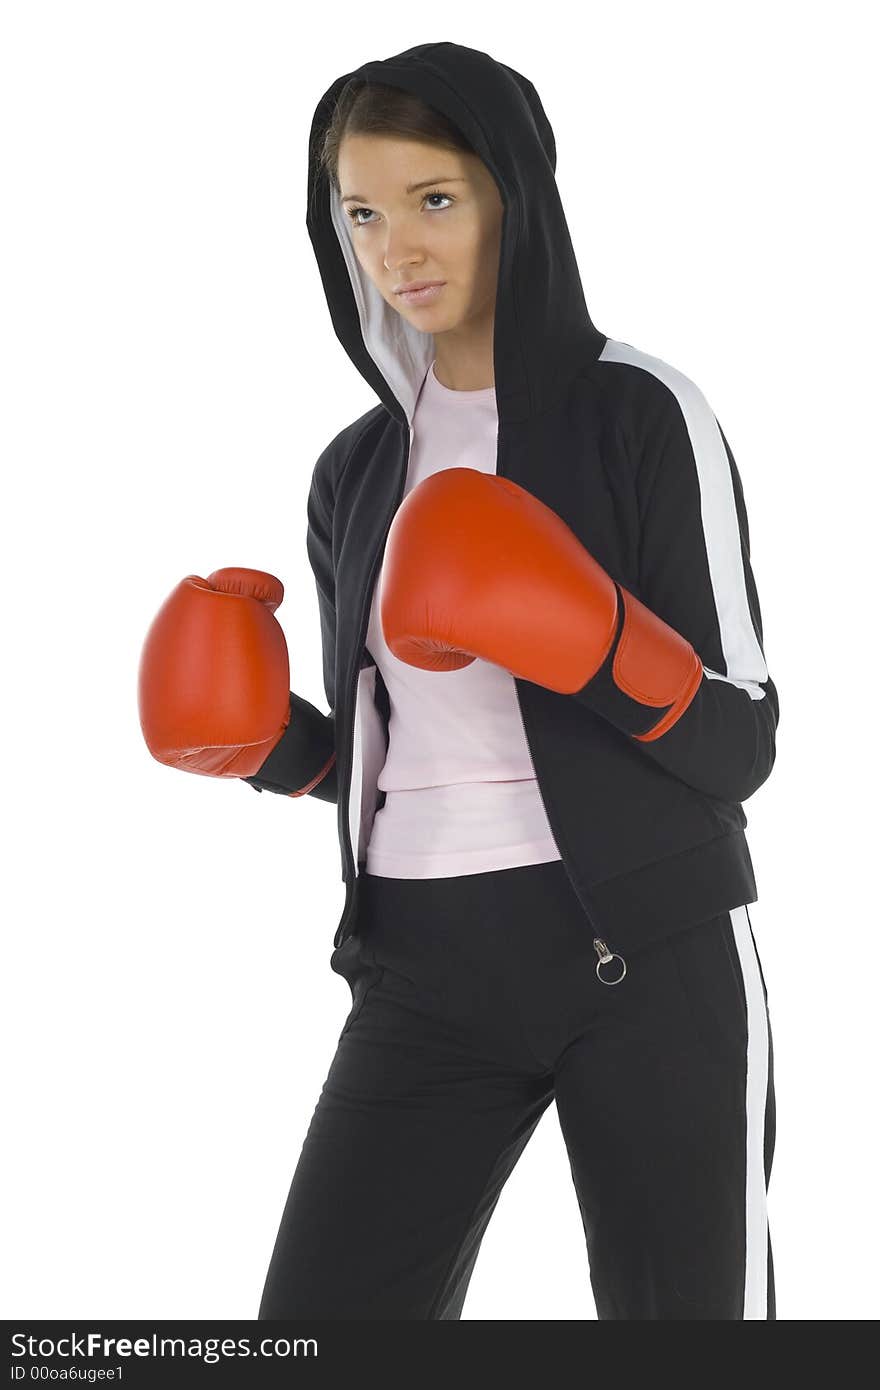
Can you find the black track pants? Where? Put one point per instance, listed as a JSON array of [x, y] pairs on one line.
[[476, 1003]]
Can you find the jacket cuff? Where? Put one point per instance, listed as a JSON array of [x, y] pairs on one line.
[[303, 760], [649, 677]]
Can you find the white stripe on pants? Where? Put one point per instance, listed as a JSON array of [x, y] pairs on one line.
[[757, 1076]]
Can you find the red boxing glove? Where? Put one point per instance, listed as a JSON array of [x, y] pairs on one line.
[[476, 566], [213, 685]]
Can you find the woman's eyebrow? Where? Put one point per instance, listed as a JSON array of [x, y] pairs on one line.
[[411, 187]]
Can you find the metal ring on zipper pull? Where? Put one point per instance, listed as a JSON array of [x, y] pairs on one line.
[[604, 957]]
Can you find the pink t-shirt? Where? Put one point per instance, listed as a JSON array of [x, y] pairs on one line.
[[461, 794]]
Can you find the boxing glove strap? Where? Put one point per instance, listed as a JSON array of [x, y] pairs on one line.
[[649, 677]]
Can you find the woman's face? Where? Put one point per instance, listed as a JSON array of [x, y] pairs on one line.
[[448, 229]]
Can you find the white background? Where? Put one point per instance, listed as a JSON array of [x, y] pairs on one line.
[[169, 376]]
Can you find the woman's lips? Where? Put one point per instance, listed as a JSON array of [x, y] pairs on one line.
[[424, 296]]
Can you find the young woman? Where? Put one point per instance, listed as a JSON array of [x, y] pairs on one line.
[[548, 700]]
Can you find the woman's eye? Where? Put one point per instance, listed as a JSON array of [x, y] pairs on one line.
[[353, 212]]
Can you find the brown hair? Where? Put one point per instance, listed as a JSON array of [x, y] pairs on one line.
[[376, 108]]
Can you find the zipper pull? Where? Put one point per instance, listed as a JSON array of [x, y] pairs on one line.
[[605, 956]]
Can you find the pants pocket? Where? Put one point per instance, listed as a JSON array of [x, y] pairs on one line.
[[356, 963], [712, 987]]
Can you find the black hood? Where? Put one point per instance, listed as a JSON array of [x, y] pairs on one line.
[[543, 333]]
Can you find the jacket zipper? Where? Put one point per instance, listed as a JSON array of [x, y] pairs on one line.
[[601, 949], [605, 956], [351, 852]]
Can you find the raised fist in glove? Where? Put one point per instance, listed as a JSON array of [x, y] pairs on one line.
[[476, 566], [213, 685]]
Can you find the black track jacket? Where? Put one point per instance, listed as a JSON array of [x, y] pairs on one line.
[[626, 449]]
